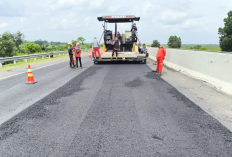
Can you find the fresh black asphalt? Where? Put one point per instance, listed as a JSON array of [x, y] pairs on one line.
[[115, 110]]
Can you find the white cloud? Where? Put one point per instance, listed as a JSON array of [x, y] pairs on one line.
[[3, 25], [64, 20], [22, 19], [87, 21], [188, 24], [59, 23], [66, 4], [114, 8], [147, 9], [96, 4], [173, 17]]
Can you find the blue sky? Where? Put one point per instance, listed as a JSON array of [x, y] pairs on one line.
[[195, 21]]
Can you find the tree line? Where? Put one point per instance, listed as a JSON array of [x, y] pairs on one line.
[[13, 44], [225, 39]]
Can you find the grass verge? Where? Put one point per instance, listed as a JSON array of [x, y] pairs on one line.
[[209, 48]]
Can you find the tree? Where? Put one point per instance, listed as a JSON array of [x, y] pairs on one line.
[[226, 34], [174, 42], [155, 43], [32, 47], [74, 42], [65, 46], [44, 47], [196, 47], [57, 43], [6, 45], [17, 38], [41, 42], [81, 39], [53, 47]]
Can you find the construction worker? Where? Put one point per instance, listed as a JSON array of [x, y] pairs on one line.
[[144, 49], [134, 28], [77, 52], [71, 63], [160, 57], [119, 37], [96, 48], [116, 44]]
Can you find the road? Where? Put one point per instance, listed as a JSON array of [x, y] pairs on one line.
[[105, 110]]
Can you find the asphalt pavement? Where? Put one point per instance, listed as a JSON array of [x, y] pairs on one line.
[[110, 110]]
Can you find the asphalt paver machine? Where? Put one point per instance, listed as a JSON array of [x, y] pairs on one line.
[[129, 39]]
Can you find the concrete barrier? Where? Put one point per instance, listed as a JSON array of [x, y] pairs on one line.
[[212, 67]]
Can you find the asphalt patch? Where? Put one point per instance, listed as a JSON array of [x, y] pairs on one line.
[[180, 97], [38, 109], [153, 75], [157, 138], [134, 83]]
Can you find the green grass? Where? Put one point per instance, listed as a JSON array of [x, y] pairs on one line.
[[209, 48], [31, 61]]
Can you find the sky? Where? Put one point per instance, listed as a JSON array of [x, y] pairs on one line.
[[195, 21]]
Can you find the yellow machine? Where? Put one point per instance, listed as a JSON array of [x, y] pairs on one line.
[[127, 43]]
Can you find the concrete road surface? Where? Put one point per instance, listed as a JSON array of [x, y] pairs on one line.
[[118, 110]]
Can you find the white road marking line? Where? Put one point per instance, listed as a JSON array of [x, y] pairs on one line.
[[33, 69]]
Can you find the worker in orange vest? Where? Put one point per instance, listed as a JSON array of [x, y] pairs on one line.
[[160, 57]]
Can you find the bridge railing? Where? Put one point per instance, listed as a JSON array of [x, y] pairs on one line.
[[209, 66]]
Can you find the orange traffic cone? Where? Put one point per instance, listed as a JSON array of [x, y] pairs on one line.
[[30, 79], [74, 59], [90, 55], [102, 52]]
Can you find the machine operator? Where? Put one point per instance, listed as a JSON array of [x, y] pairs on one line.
[[116, 44]]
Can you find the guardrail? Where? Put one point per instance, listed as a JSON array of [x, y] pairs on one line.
[[26, 57]]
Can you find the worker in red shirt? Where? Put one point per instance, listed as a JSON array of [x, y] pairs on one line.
[[160, 57], [77, 52]]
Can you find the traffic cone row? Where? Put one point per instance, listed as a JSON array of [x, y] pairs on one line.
[[30, 78]]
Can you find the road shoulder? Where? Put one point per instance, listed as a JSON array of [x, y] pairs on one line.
[[217, 104]]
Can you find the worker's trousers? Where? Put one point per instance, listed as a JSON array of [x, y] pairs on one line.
[[116, 51], [159, 64], [96, 50], [71, 62], [77, 61]]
